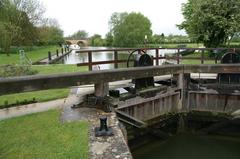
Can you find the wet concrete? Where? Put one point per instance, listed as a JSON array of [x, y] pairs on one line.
[[112, 147]]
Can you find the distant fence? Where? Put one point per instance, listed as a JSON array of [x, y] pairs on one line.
[[178, 56]]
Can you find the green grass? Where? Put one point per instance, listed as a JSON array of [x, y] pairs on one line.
[[58, 68], [34, 55], [46, 95], [40, 96], [197, 62], [42, 136], [188, 45]]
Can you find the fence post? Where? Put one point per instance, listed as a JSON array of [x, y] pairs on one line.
[[62, 51], [65, 49], [202, 57], [157, 57], [216, 56], [49, 56], [90, 61], [178, 53], [115, 59], [57, 52]]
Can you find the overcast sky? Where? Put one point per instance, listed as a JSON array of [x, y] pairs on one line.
[[93, 15]]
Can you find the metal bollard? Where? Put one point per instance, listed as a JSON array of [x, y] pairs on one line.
[[103, 130]]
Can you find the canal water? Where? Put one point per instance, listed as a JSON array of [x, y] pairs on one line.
[[75, 58], [189, 146]]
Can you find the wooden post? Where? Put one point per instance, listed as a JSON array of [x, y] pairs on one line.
[[202, 57], [65, 49], [215, 55], [178, 53], [101, 89], [157, 57], [115, 59], [139, 51], [62, 50], [57, 52], [183, 81], [49, 56], [90, 61]]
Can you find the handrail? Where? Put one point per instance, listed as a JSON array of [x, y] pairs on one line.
[[177, 56], [152, 48], [42, 82]]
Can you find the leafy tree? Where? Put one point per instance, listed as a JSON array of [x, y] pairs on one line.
[[17, 19], [129, 30], [96, 40], [212, 22], [157, 39], [109, 39], [81, 34], [50, 33]]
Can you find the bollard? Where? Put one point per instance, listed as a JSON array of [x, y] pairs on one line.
[[62, 50], [57, 52], [103, 130], [49, 56], [65, 49]]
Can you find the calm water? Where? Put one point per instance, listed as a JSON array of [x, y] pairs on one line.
[[185, 146], [74, 58]]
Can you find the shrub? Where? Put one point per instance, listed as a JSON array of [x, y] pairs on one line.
[[16, 70]]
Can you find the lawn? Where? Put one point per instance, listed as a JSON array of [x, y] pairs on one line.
[[34, 55], [40, 96], [42, 136], [192, 62], [45, 95], [58, 68]]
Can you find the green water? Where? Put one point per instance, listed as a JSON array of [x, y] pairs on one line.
[[185, 146]]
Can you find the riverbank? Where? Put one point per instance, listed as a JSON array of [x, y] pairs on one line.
[[34, 55]]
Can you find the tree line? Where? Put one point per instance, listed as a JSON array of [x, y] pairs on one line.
[[211, 22], [215, 23], [22, 24]]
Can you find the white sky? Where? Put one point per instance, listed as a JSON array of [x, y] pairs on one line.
[[93, 15]]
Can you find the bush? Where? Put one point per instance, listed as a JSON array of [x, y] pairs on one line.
[[16, 70]]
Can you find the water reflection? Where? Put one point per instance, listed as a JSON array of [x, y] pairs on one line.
[[189, 146], [75, 58]]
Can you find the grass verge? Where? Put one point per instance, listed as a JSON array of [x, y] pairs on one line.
[[34, 55], [40, 96], [42, 136], [58, 68]]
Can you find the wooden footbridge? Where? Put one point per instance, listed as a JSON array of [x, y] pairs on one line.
[[180, 93]]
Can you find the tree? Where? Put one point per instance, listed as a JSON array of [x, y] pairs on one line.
[[212, 22], [109, 39], [129, 30], [96, 40], [33, 8], [17, 19], [81, 34], [50, 33]]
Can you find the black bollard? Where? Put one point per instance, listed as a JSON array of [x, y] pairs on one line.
[[57, 52], [103, 130], [62, 50], [103, 124]]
